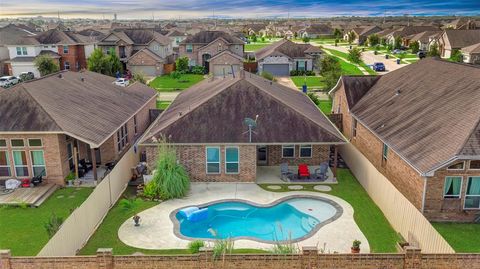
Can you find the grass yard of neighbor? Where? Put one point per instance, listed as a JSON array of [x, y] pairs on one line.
[[167, 83], [312, 81], [325, 106], [256, 46], [22, 229], [163, 104], [381, 236], [463, 237]]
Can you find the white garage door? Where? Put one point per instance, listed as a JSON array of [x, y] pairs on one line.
[[225, 69], [278, 70]]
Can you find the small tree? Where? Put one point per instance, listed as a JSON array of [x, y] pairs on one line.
[[456, 56], [414, 46], [337, 33], [97, 62], [355, 55], [140, 77], [397, 43], [181, 64], [114, 64], [306, 39], [53, 225], [330, 70], [351, 37], [373, 40], [46, 65], [130, 206], [433, 51]]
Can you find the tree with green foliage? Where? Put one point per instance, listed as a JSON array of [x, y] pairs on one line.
[[330, 70], [355, 55], [351, 37], [337, 33], [46, 65], [415, 47], [456, 56], [433, 51], [254, 38], [114, 64], [131, 206], [306, 39], [140, 77], [97, 62], [295, 35], [181, 64], [373, 40], [53, 225], [267, 75], [397, 42]]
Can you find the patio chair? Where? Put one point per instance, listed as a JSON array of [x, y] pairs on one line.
[[303, 171], [321, 173], [87, 166], [285, 173]]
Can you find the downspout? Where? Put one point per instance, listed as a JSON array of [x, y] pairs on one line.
[[424, 193]]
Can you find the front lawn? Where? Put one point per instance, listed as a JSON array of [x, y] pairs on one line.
[[312, 81], [381, 236], [22, 229], [463, 237], [167, 83]]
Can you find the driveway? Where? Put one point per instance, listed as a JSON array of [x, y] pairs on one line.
[[286, 81]]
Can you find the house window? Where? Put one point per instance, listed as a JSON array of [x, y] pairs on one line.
[[306, 151], [3, 143], [135, 124], [288, 151], [220, 46], [20, 163], [354, 127], [53, 46], [65, 49], [77, 65], [192, 62], [66, 65], [17, 143], [177, 40], [189, 48], [231, 160], [34, 142], [155, 48], [213, 160], [474, 164], [45, 47], [4, 165], [22, 51], [457, 166], [385, 152], [472, 197], [452, 187], [38, 163], [301, 65], [122, 137]]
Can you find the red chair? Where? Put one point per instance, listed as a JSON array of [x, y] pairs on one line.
[[26, 183], [303, 171]]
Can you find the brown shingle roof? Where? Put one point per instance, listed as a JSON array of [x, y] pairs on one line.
[[205, 37], [462, 38], [213, 112], [475, 48], [288, 48], [426, 112], [90, 110]]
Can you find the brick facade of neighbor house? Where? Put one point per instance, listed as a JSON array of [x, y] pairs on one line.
[[193, 158], [226, 59], [320, 153], [75, 57]]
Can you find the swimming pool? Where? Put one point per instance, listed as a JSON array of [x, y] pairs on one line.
[[290, 218]]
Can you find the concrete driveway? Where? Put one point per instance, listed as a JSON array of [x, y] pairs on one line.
[[286, 81]]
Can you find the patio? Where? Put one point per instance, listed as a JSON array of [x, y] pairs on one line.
[[271, 175], [31, 196]]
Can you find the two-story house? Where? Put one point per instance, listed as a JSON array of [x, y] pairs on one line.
[[218, 52]]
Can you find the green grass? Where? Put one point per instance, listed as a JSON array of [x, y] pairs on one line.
[[368, 68], [381, 236], [167, 83], [347, 67], [463, 237], [325, 106], [256, 46], [22, 229], [163, 104], [312, 81]]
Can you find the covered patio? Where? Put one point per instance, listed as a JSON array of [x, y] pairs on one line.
[[272, 175]]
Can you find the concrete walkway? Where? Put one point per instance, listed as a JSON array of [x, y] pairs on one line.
[[156, 229], [286, 81], [167, 96]]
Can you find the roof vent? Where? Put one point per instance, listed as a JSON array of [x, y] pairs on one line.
[[271, 83], [398, 92], [82, 79], [60, 75], [179, 114]]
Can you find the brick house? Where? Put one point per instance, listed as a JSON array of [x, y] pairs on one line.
[[205, 45], [451, 40], [419, 126], [45, 121], [206, 124]]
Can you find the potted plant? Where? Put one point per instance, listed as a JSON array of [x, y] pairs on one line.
[[356, 246], [69, 179], [130, 206]]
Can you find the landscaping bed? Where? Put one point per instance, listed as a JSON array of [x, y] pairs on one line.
[[167, 83], [22, 228], [463, 237]]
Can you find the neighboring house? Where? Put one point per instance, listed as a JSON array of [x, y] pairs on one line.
[[255, 29], [423, 39], [451, 40], [462, 24], [176, 37], [317, 31], [362, 33], [405, 31], [284, 56], [44, 121], [203, 48], [140, 50], [419, 126], [471, 54], [206, 125]]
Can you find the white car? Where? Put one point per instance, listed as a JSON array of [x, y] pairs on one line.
[[122, 82], [8, 81]]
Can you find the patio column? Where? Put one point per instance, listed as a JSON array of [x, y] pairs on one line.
[[335, 161], [94, 163]]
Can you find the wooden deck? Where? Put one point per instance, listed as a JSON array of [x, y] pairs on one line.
[[31, 196]]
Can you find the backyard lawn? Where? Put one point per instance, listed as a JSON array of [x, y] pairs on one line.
[[312, 81], [376, 228], [463, 237], [167, 83], [163, 104], [256, 46], [325, 106], [22, 229]]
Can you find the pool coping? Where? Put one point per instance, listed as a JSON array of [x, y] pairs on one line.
[[338, 214]]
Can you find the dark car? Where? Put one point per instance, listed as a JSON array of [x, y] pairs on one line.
[[379, 67], [422, 54]]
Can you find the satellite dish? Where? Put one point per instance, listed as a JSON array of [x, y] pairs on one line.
[[251, 124]]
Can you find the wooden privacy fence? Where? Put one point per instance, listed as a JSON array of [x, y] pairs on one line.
[[402, 215], [80, 225]]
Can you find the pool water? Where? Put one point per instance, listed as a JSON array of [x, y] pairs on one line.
[[290, 219]]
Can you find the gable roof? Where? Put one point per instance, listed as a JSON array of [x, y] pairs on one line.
[[90, 110], [462, 38], [475, 48], [426, 112], [206, 37], [13, 35], [213, 111], [149, 53], [355, 87], [288, 48], [321, 29]]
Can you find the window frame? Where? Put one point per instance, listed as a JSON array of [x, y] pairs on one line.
[[122, 138], [23, 166], [19, 51], [455, 169], [36, 165], [471, 195], [460, 191], [30, 146], [11, 143], [219, 160], [65, 49], [66, 65], [469, 165], [288, 146], [8, 165], [304, 68], [300, 151], [354, 127], [229, 162], [135, 127], [6, 143], [189, 48], [385, 152]]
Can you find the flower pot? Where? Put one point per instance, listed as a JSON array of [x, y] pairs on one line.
[[355, 250], [136, 220]]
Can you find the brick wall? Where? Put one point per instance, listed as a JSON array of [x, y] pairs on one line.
[[309, 258], [320, 153], [76, 53]]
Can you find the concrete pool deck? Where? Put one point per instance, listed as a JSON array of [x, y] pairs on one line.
[[157, 229]]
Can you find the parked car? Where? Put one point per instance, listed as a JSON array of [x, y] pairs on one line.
[[398, 51], [422, 54], [379, 67], [8, 81], [24, 76], [122, 82]]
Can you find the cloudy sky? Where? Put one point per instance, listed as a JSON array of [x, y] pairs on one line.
[[168, 9]]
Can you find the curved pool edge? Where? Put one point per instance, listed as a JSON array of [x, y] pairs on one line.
[[337, 215]]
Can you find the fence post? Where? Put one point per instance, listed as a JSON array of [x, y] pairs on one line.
[[205, 258], [309, 257], [5, 256], [413, 258], [105, 258]]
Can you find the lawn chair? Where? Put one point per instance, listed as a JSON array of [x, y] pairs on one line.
[[303, 171], [285, 173], [321, 173]]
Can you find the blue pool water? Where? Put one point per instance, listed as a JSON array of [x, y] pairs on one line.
[[288, 220]]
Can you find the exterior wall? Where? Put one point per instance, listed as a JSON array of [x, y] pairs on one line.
[[308, 66], [143, 60], [19, 67], [471, 58], [193, 158], [275, 60], [161, 50], [75, 56], [211, 48], [225, 58], [320, 153]]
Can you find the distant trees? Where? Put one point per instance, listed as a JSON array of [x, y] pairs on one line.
[[46, 65], [330, 70], [107, 64], [337, 33], [351, 37], [456, 56], [373, 40], [415, 47], [355, 55], [306, 39], [433, 51]]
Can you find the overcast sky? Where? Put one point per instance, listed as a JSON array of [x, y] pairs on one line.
[[170, 9]]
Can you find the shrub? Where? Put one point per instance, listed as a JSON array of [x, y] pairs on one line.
[[181, 64], [129, 205], [309, 73], [306, 39], [46, 65], [456, 56], [53, 225], [140, 77], [355, 55], [267, 75], [415, 47], [194, 246], [314, 98], [433, 51], [176, 75], [198, 70], [373, 40], [286, 247]]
